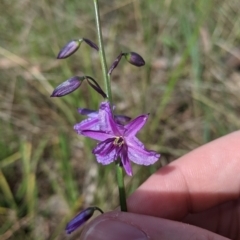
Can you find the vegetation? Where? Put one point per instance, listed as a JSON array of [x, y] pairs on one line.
[[190, 86]]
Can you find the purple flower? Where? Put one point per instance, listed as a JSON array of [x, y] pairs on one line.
[[117, 140]]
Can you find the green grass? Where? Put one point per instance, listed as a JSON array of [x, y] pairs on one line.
[[47, 171]]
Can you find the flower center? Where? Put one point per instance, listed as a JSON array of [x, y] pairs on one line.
[[118, 141]]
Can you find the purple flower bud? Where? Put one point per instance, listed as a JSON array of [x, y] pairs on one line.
[[115, 63], [134, 58], [68, 86], [90, 43], [69, 49], [80, 219]]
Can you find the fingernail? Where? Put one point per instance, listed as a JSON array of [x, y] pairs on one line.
[[109, 229]]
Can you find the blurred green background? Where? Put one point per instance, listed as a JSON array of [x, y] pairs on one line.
[[190, 86]]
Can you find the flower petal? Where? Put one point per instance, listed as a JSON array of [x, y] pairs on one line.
[[140, 155], [106, 120], [135, 125], [125, 160], [97, 135], [87, 124], [121, 119], [105, 147], [88, 112], [134, 140], [105, 152]]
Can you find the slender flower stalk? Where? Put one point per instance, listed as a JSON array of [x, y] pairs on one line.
[[121, 187], [102, 52], [106, 76]]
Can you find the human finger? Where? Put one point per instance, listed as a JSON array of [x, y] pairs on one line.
[[203, 178], [222, 219], [122, 225]]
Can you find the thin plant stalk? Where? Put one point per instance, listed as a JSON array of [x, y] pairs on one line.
[[121, 187], [106, 76]]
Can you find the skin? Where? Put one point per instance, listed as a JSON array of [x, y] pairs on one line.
[[194, 197]]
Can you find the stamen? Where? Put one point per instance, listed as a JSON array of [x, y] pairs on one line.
[[118, 141]]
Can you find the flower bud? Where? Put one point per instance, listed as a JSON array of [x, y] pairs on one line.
[[69, 49], [68, 86], [134, 58], [80, 219]]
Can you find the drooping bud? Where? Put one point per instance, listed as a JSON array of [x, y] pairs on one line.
[[68, 86], [115, 63], [134, 58], [80, 219], [69, 49], [90, 43]]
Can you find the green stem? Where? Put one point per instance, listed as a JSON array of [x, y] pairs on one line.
[[102, 52], [121, 187], [106, 76]]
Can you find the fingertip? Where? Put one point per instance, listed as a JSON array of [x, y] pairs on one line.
[[122, 225], [112, 226]]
